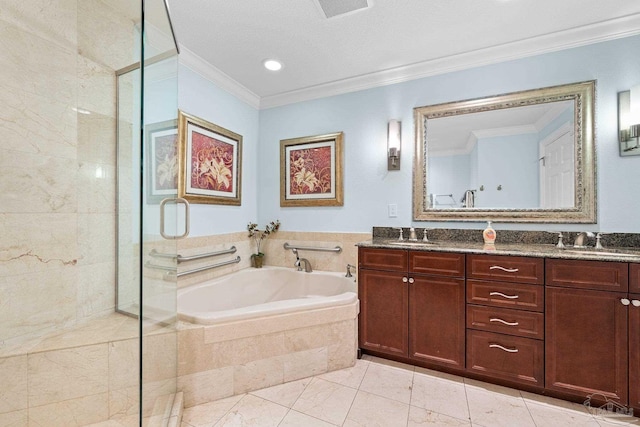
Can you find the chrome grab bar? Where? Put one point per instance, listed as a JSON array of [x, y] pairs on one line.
[[149, 264], [172, 270], [181, 258], [209, 267], [337, 249]]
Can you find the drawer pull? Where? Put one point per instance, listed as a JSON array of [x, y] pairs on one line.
[[625, 301], [500, 294], [508, 350], [635, 303], [405, 280], [411, 280], [508, 270], [504, 322]]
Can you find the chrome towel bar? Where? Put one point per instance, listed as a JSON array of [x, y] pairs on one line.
[[337, 249], [181, 258]]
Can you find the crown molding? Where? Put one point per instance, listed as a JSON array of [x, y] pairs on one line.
[[580, 36], [216, 76]]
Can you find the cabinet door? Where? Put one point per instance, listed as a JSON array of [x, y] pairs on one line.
[[634, 352], [586, 343], [437, 320], [383, 320]]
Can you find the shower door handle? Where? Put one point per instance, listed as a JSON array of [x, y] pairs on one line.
[[187, 215]]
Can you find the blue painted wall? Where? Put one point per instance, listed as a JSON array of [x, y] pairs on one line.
[[363, 117]]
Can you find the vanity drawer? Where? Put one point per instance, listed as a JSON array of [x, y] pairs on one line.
[[510, 358], [506, 295], [597, 275], [508, 268], [436, 263], [528, 324], [383, 259]]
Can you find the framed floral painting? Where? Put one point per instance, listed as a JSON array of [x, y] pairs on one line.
[[210, 162], [311, 171], [162, 167]]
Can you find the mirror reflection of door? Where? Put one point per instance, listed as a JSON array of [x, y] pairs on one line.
[[557, 166]]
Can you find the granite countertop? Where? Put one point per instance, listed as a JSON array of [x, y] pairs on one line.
[[538, 244]]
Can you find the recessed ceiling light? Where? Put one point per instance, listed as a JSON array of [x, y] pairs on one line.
[[272, 65]]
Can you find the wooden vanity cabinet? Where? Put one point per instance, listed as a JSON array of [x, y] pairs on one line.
[[412, 306], [587, 329], [505, 319], [634, 337]]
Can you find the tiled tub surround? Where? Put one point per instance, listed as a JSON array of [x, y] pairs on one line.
[[217, 361], [273, 247]]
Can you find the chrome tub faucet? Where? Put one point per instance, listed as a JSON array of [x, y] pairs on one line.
[[300, 261]]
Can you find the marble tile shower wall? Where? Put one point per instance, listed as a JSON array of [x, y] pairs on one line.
[[273, 247], [57, 210], [57, 192]]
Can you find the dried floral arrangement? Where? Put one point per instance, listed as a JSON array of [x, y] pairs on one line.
[[259, 235]]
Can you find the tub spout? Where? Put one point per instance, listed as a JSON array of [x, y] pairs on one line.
[[307, 265]]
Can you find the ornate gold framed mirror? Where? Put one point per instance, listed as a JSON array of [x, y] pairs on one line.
[[525, 156]]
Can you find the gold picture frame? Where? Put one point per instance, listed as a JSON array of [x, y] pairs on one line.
[[210, 162], [311, 171]]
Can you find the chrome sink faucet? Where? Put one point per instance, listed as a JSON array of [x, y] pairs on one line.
[[580, 242]]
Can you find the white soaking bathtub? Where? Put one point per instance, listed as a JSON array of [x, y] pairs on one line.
[[259, 292]]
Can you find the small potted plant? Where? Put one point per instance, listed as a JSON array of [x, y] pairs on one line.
[[258, 236]]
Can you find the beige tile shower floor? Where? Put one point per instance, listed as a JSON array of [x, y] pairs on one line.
[[376, 392]]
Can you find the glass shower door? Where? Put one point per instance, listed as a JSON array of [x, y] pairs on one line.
[[162, 217]]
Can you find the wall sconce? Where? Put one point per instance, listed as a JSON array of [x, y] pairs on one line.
[[394, 132], [629, 121]]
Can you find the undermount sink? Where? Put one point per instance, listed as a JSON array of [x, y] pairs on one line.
[[412, 242], [602, 253]]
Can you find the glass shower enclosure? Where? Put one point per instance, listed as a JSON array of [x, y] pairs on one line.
[[149, 211]]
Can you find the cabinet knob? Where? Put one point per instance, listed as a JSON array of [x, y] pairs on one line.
[[405, 280], [625, 301], [635, 302], [411, 280]]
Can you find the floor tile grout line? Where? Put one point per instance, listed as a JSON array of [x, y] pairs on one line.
[[413, 380], [466, 398], [524, 401]]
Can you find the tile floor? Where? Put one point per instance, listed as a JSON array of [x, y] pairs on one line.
[[376, 392]]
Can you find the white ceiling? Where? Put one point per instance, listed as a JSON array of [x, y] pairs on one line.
[[391, 41]]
